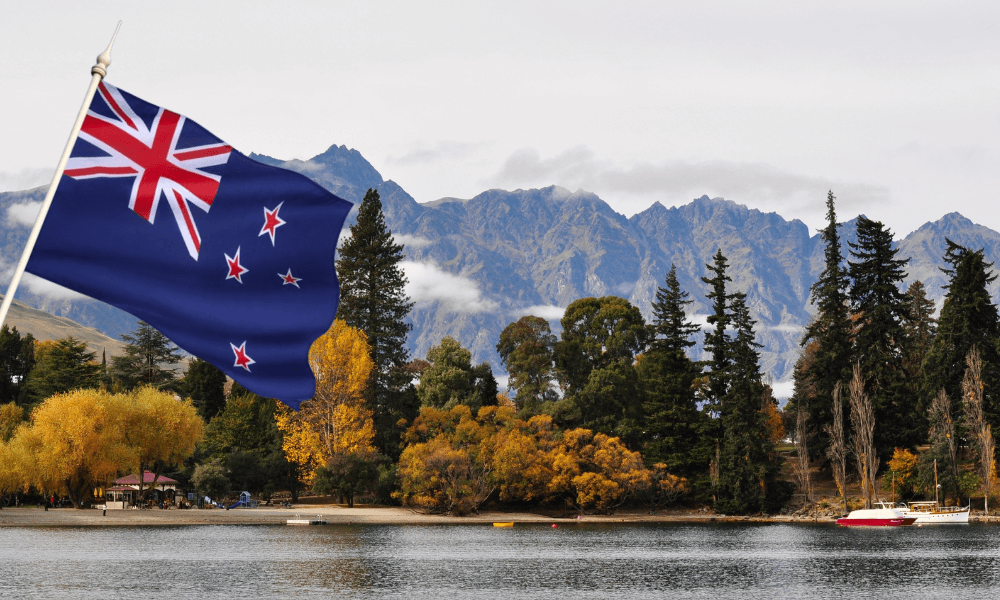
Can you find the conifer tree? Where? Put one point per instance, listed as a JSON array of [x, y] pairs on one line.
[[147, 360], [968, 319], [717, 342], [61, 366], [747, 467], [205, 384], [373, 299], [672, 423], [881, 312], [17, 357], [919, 332], [828, 337]]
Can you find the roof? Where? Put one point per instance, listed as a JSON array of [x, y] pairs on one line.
[[147, 477]]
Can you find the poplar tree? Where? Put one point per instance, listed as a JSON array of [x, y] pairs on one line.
[[968, 319], [881, 313], [672, 423], [373, 300], [828, 337]]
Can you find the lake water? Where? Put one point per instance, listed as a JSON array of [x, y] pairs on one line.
[[716, 561]]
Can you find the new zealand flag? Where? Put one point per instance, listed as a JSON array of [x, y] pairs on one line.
[[231, 259]]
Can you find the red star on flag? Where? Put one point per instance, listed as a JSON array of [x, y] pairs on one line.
[[236, 270], [289, 279], [271, 222], [242, 360]]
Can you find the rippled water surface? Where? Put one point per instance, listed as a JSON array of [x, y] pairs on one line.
[[477, 561]]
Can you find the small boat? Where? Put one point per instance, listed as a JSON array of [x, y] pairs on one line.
[[928, 513], [877, 517]]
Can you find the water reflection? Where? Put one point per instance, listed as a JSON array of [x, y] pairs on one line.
[[477, 561]]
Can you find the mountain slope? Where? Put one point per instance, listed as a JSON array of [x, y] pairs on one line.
[[476, 265]]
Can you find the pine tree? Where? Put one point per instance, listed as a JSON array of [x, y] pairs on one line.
[[373, 300], [968, 319], [828, 337], [717, 342], [672, 423], [747, 467], [61, 366], [881, 312], [919, 334], [148, 354], [206, 386]]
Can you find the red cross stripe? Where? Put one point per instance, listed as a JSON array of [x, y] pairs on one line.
[[150, 155], [242, 358]]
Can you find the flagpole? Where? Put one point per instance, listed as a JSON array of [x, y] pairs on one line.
[[98, 72]]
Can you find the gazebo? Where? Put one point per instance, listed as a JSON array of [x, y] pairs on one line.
[[124, 492]]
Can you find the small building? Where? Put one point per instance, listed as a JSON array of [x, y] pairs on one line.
[[125, 491]]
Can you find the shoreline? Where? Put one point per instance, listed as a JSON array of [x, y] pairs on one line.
[[337, 515]]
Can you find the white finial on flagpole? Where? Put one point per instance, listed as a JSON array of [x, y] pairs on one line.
[[98, 72], [104, 59]]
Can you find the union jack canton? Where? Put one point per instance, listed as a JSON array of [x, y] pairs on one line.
[[245, 282]]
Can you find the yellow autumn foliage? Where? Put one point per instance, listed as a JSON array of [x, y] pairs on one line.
[[11, 416], [454, 461], [84, 438], [335, 421]]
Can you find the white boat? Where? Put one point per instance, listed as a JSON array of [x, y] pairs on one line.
[[885, 516], [928, 513]]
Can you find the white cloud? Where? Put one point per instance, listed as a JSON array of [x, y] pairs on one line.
[[24, 179], [447, 150], [783, 390], [429, 283], [699, 320], [52, 291], [23, 214], [788, 328], [548, 312], [345, 234], [410, 241], [757, 182]]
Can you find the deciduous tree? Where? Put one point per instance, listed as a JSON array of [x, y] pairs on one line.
[[527, 351], [336, 420]]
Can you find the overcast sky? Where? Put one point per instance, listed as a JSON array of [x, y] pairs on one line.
[[893, 105]]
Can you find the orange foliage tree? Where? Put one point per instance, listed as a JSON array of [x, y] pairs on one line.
[[454, 461], [335, 421]]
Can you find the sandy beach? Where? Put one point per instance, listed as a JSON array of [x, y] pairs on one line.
[[69, 517], [334, 514]]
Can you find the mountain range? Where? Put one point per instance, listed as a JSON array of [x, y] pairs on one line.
[[477, 264]]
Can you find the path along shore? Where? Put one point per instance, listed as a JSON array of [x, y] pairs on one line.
[[68, 517]]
